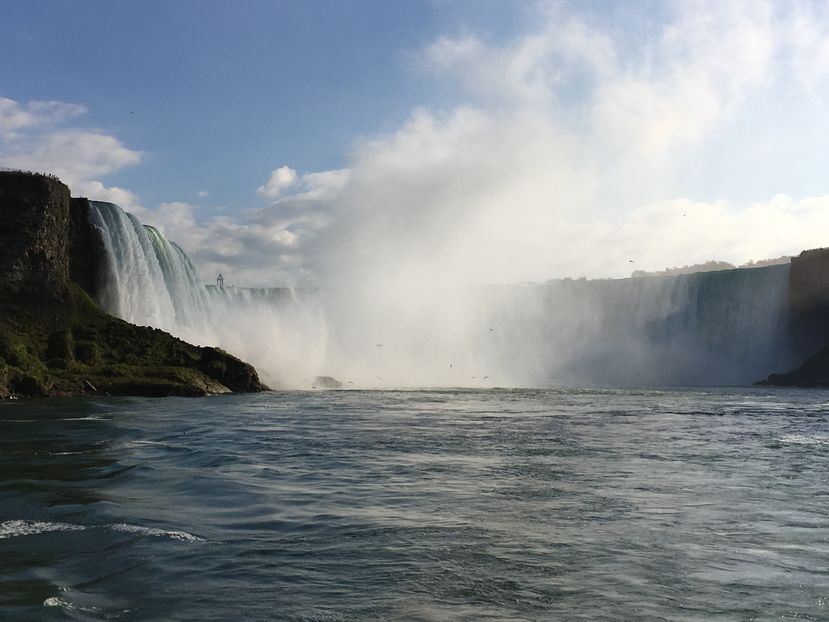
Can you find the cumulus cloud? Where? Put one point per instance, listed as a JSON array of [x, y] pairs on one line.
[[262, 249], [76, 154], [95, 190], [285, 181], [15, 116], [561, 158], [269, 245], [280, 180], [529, 70], [31, 138]]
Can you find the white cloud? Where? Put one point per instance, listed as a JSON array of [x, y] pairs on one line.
[[529, 71], [31, 139], [95, 190], [561, 161], [323, 184], [261, 250], [285, 182], [14, 116], [280, 180], [809, 39], [76, 155], [203, 194]]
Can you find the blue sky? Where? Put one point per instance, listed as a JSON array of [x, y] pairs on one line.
[[221, 92], [550, 138]]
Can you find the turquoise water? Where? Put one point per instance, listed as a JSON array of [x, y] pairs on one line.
[[423, 505]]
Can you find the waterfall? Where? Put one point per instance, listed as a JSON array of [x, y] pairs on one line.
[[148, 280], [728, 327]]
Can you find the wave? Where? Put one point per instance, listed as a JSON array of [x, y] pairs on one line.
[[15, 528], [154, 531]]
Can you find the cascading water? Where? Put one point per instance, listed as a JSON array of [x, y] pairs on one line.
[[727, 327], [708, 328], [148, 279]]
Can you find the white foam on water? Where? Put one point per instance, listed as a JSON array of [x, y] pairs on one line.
[[154, 531], [54, 601], [15, 528], [802, 439]]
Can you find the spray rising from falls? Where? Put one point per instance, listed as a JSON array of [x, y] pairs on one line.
[[710, 328]]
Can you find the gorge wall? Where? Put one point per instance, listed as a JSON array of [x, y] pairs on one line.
[[34, 235], [54, 339]]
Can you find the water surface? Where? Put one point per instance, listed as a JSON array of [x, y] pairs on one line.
[[425, 505]]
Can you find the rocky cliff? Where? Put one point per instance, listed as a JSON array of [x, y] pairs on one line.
[[34, 235], [809, 326], [54, 340]]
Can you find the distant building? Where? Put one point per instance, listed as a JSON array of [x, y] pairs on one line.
[[220, 280]]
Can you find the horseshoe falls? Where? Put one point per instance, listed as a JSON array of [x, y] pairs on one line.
[[711, 328], [715, 328]]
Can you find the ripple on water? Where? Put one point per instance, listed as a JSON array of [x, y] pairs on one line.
[[16, 528], [530, 505], [154, 531]]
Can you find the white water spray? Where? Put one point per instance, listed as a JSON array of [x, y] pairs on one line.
[[710, 328]]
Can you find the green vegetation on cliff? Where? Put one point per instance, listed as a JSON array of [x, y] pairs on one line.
[[54, 339]]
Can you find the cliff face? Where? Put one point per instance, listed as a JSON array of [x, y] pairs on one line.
[[34, 235], [85, 248], [813, 372], [54, 340], [809, 327], [809, 299]]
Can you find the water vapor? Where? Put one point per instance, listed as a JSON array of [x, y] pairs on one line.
[[568, 154]]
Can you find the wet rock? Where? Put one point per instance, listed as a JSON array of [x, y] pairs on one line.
[[322, 382]]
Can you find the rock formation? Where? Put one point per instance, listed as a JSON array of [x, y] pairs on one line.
[[809, 308], [54, 339]]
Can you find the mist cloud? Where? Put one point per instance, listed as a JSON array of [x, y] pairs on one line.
[[561, 159], [565, 155]]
